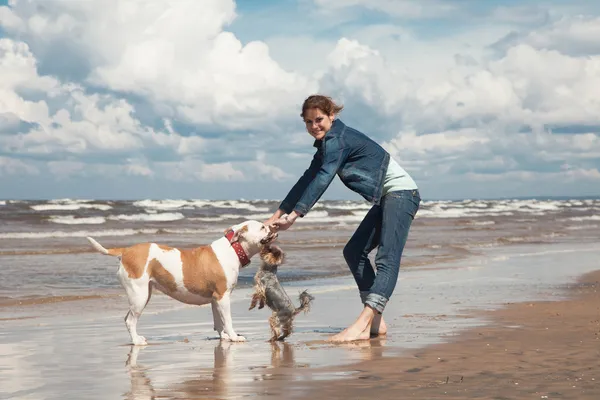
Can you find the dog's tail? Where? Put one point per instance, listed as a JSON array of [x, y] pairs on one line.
[[117, 252], [305, 301]]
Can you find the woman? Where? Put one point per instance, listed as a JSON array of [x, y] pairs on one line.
[[367, 169]]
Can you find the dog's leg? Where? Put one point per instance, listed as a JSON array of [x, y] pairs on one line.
[[138, 294], [286, 329], [255, 299], [218, 322], [224, 311], [259, 297], [274, 324]]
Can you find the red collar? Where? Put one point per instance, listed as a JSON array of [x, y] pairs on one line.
[[239, 250]]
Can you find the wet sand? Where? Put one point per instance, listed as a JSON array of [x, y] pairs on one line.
[[445, 341], [533, 350]]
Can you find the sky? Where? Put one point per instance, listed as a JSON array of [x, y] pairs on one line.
[[109, 99]]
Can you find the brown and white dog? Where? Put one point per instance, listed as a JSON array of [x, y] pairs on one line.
[[202, 275]]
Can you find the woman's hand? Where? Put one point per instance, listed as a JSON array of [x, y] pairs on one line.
[[285, 221], [276, 216]]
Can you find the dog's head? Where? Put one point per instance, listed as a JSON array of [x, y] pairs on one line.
[[252, 235], [272, 255]]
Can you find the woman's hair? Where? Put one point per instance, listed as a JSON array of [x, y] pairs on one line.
[[323, 103]]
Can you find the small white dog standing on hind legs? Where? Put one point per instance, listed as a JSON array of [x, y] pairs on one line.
[[202, 275]]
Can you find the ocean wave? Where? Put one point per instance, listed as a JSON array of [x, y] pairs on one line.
[[172, 204], [73, 220], [436, 212], [70, 207], [159, 217], [70, 234], [69, 201], [481, 223], [582, 219], [238, 205], [103, 233], [347, 206], [326, 210], [313, 216], [169, 204], [232, 217], [581, 227]]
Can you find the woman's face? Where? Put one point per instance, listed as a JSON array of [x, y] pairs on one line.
[[317, 122]]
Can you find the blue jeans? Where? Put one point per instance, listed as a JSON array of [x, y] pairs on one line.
[[385, 226]]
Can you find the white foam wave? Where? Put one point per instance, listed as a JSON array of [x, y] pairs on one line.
[[226, 217], [69, 201], [582, 219], [173, 204], [103, 233], [313, 217], [70, 207], [481, 223], [2, 202], [437, 212], [69, 234], [168, 204], [581, 227], [347, 206], [238, 205], [207, 219], [316, 217], [158, 217], [72, 220]]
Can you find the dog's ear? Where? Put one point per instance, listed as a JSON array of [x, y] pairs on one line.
[[238, 233]]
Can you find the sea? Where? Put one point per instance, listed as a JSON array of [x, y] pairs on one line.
[[44, 256]]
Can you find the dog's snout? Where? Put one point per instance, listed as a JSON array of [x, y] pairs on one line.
[[269, 238]]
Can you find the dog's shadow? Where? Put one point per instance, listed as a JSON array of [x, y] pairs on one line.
[[220, 382]]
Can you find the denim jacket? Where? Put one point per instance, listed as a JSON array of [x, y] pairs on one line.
[[359, 161]]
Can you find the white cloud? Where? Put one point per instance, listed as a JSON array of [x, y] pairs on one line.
[[174, 52], [165, 91], [441, 143], [219, 172], [572, 35], [529, 176]]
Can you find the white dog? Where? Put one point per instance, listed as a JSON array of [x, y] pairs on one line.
[[202, 275]]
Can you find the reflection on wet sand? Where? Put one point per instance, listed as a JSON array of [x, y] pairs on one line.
[[203, 384], [231, 377], [141, 386]]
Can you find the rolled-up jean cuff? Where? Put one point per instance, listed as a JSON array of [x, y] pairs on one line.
[[363, 296], [376, 302]]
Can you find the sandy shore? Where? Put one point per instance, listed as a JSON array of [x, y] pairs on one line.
[[533, 350], [445, 341]]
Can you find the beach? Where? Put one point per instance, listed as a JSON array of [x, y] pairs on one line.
[[495, 299]]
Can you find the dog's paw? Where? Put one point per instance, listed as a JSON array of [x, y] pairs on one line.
[[237, 338], [140, 341]]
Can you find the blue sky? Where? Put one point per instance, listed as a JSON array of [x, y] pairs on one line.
[[187, 99]]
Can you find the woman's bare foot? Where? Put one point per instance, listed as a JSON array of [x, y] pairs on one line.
[[359, 330], [378, 326], [351, 334]]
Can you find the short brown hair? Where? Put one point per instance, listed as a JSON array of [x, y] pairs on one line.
[[323, 103]]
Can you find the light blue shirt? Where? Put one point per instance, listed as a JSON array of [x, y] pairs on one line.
[[396, 178]]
